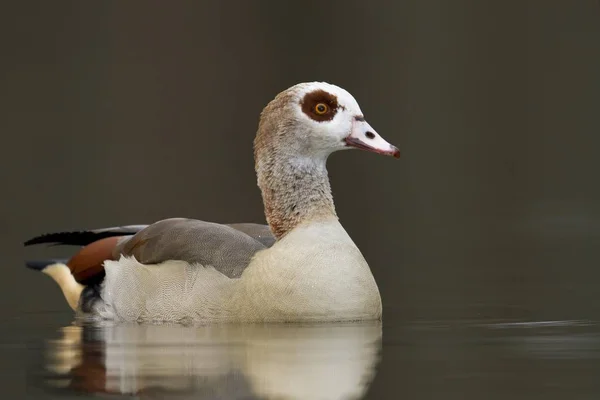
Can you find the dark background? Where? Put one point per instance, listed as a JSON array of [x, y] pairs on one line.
[[128, 112]]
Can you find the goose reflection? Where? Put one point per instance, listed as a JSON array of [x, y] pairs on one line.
[[225, 361]]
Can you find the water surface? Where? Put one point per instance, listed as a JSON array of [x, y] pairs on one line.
[[49, 355]]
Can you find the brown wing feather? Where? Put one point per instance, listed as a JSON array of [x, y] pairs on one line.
[[86, 266]]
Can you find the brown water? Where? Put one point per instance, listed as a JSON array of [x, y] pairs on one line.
[[50, 356]]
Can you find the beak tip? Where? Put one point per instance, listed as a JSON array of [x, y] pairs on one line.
[[396, 152]]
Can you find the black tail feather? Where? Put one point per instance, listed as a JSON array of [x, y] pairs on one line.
[[83, 238], [39, 265]]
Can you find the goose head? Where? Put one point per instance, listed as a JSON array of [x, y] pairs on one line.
[[313, 120], [297, 132]]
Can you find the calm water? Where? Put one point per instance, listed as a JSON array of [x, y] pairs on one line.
[[50, 356]]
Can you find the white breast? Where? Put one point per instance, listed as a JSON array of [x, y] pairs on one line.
[[316, 272]]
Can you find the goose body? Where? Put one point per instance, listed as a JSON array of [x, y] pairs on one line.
[[302, 266]]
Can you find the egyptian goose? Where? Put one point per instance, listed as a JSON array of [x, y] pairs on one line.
[[303, 266]]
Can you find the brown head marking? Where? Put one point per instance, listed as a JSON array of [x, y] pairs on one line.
[[312, 105]]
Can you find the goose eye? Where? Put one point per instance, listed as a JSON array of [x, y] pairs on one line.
[[321, 108]]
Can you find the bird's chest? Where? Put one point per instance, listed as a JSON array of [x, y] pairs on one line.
[[308, 279]]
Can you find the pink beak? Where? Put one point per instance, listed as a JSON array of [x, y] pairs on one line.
[[363, 137]]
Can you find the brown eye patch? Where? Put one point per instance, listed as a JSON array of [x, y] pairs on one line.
[[316, 101]]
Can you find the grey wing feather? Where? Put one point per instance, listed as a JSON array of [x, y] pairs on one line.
[[227, 249], [260, 232], [121, 229]]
